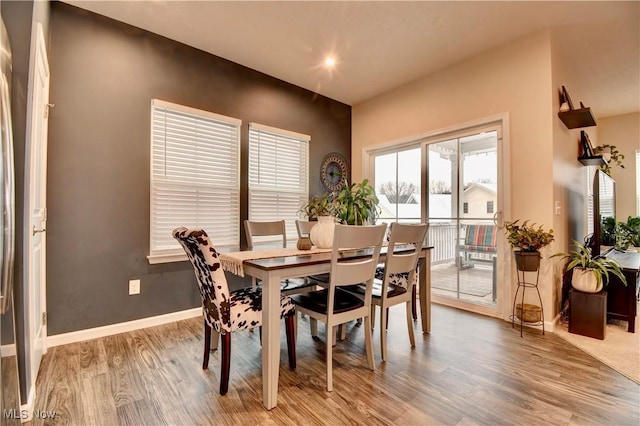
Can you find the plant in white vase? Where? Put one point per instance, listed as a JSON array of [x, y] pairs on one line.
[[323, 209], [590, 273]]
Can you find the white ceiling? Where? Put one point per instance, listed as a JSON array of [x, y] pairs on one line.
[[381, 45]]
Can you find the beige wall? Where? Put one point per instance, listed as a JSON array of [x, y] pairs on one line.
[[513, 79], [623, 131], [569, 176]]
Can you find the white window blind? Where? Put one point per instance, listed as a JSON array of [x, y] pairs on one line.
[[194, 177], [278, 175]]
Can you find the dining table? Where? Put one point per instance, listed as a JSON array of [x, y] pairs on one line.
[[271, 265]]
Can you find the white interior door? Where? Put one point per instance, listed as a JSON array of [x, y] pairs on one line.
[[36, 210]]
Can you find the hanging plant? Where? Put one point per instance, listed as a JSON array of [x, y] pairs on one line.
[[611, 155]]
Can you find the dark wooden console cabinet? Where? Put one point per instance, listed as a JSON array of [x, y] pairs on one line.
[[621, 299]]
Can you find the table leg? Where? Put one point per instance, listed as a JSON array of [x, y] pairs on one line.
[[270, 340], [425, 293]]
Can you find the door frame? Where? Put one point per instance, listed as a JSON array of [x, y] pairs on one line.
[[504, 291]]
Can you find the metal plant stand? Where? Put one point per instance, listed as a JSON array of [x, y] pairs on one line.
[[528, 264]]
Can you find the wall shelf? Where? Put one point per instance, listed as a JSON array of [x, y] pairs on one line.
[[596, 160], [576, 118]]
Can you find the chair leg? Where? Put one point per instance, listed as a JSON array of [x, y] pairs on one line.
[[215, 337], [313, 325], [289, 323], [368, 339], [225, 363], [414, 304], [207, 345], [386, 322], [384, 319], [329, 361], [412, 338]]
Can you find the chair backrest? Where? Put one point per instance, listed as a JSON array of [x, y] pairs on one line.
[[347, 270], [304, 227], [264, 229], [212, 282], [401, 262], [481, 235]]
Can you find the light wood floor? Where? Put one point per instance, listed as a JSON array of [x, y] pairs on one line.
[[471, 370]]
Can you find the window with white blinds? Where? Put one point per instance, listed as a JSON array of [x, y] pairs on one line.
[[195, 169], [590, 172], [278, 175]]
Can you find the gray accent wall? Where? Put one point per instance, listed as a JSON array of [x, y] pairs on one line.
[[103, 77]]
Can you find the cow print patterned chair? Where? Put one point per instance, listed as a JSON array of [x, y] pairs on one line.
[[227, 311]]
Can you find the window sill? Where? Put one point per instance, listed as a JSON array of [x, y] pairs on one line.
[[166, 258]]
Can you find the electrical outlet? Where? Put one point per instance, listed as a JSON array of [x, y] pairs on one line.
[[134, 287]]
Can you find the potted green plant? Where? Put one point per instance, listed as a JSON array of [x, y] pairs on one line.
[[322, 208], [608, 231], [590, 273], [628, 233], [319, 205], [528, 239], [357, 204], [611, 155]]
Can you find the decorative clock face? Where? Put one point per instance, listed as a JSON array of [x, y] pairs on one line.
[[334, 171]]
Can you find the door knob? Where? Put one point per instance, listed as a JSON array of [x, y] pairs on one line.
[[36, 230]]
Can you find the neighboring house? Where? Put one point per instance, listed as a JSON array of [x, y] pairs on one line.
[[480, 200], [408, 210]]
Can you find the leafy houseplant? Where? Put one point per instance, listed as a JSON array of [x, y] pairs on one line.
[[608, 230], [628, 233], [357, 204], [611, 155], [620, 235], [529, 239], [322, 208], [590, 273], [319, 205]]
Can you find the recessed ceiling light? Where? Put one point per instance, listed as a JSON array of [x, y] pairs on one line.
[[330, 62]]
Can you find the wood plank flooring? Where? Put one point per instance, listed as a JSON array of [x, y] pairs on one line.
[[471, 370]]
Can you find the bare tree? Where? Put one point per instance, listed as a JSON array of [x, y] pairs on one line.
[[400, 193], [439, 187]]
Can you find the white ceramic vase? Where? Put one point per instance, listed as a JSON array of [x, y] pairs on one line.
[[585, 280], [322, 233]]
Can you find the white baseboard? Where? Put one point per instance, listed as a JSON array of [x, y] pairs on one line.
[[8, 350], [109, 330]]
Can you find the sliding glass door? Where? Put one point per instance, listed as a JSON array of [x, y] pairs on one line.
[[452, 181], [462, 176]]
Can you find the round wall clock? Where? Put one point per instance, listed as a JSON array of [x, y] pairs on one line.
[[334, 171]]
